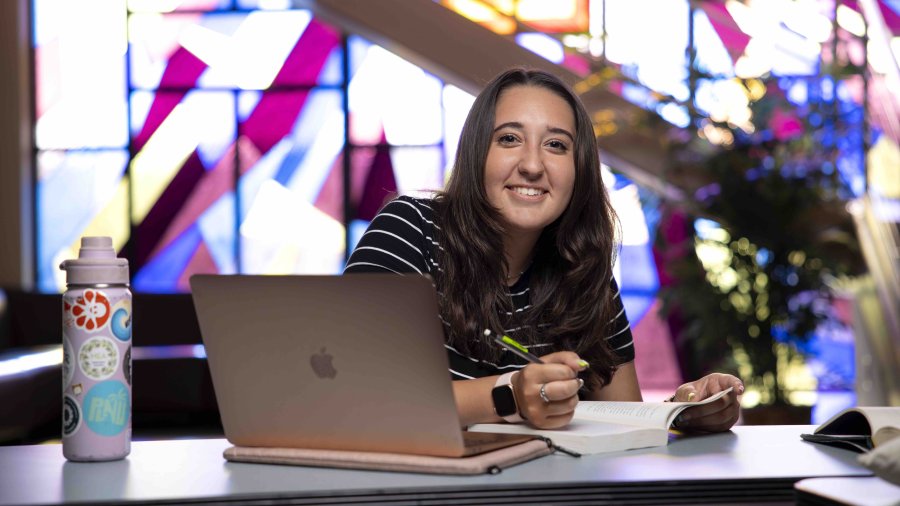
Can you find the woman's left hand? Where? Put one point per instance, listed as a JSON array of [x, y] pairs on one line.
[[717, 416]]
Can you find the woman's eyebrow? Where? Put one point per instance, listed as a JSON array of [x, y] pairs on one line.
[[518, 126], [509, 124], [562, 131]]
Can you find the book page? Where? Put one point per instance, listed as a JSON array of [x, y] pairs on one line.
[[586, 437], [885, 434], [881, 416], [644, 414], [866, 420]]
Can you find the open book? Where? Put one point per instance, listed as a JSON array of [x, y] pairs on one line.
[[859, 429], [605, 426]]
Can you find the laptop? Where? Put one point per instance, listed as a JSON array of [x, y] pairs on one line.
[[354, 362]]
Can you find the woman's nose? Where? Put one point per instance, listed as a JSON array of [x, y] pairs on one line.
[[530, 164]]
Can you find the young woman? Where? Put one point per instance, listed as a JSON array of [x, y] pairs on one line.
[[522, 241]]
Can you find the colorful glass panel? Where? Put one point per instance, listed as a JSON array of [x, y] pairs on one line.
[[255, 50], [180, 176], [77, 193], [291, 194]]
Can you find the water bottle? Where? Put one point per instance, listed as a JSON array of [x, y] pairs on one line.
[[96, 354]]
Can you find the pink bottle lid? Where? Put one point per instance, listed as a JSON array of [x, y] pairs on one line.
[[96, 264]]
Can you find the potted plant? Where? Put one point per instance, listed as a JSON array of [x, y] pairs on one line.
[[751, 284]]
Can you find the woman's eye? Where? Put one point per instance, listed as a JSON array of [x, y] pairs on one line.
[[507, 138], [559, 145]]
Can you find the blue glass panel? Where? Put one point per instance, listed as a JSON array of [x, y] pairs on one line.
[[357, 229], [161, 275], [635, 268], [638, 279], [332, 72]]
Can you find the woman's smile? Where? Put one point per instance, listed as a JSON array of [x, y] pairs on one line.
[[529, 193]]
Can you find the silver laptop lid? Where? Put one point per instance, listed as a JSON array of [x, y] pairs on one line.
[[352, 362]]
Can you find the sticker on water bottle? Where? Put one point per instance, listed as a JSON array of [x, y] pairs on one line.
[[68, 366], [90, 310], [126, 366], [107, 407], [98, 358], [71, 416], [120, 324], [68, 318]]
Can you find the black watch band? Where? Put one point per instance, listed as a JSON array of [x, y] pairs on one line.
[[504, 397]]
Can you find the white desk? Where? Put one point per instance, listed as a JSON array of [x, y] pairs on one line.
[[750, 464]]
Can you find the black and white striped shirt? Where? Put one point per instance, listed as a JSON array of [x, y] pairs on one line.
[[403, 238]]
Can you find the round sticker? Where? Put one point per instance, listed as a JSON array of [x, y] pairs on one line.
[[107, 407], [120, 324], [68, 317], [91, 310], [98, 358], [71, 416], [68, 363], [126, 366]]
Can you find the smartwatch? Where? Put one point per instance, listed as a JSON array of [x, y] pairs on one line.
[[505, 399]]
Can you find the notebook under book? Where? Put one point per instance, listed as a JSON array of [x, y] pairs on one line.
[[352, 362]]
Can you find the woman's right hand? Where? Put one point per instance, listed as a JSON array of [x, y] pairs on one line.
[[558, 377]]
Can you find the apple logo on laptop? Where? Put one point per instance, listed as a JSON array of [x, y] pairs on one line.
[[321, 364]]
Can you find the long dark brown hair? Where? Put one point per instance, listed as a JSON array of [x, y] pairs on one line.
[[572, 261]]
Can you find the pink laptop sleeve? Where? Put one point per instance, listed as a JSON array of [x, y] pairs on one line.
[[491, 462]]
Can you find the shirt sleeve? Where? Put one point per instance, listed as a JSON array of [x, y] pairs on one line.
[[620, 339], [394, 241]]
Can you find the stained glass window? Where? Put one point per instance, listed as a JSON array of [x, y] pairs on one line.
[[210, 136]]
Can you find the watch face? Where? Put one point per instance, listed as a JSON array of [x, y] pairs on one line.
[[504, 401]]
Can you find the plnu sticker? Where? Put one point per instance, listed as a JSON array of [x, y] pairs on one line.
[[107, 407], [71, 416], [98, 358]]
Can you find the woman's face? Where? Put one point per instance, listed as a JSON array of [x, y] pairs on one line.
[[530, 168]]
